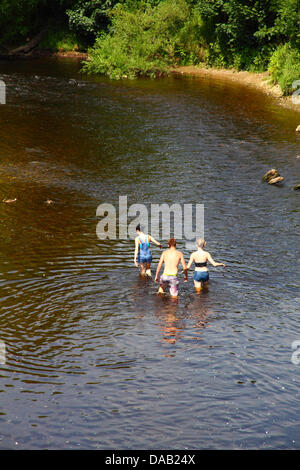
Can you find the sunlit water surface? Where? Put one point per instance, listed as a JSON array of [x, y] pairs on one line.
[[94, 358]]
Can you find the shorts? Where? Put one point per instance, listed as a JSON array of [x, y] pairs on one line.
[[144, 258], [201, 276], [170, 282]]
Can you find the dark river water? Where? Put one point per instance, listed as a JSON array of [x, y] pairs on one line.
[[94, 358]]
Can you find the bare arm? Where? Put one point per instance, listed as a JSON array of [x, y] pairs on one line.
[[191, 260], [154, 241], [159, 266], [214, 263], [183, 267], [136, 251]]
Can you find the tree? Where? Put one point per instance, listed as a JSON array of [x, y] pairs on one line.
[[87, 19]]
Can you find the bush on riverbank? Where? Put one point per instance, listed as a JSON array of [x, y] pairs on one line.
[[255, 36], [60, 40], [284, 67], [147, 40]]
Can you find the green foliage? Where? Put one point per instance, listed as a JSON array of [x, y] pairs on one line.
[[147, 40], [244, 34], [60, 40], [12, 25], [88, 18], [284, 67], [20, 19], [231, 31], [191, 45], [286, 24]]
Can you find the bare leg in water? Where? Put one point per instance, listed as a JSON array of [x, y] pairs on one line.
[[142, 269], [148, 270], [200, 285], [145, 269]]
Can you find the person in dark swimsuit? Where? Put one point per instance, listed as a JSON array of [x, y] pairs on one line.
[[200, 259], [142, 253]]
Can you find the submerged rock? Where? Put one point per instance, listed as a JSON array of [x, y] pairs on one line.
[[8, 201], [34, 150]]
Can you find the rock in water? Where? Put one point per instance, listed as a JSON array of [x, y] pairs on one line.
[[8, 201], [273, 177], [298, 128], [270, 174], [276, 180], [297, 187]]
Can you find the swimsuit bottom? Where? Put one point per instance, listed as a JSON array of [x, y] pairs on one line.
[[170, 282], [201, 276], [144, 257]]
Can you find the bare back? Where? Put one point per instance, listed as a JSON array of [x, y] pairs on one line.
[[171, 259], [200, 256]]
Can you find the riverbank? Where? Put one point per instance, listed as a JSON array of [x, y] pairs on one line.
[[72, 54], [259, 81], [44, 53]]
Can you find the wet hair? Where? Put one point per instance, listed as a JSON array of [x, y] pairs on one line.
[[138, 227], [172, 242], [201, 243]]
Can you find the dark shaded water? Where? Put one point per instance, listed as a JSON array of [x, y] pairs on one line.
[[95, 360]]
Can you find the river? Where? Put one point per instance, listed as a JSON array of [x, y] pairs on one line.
[[94, 358]]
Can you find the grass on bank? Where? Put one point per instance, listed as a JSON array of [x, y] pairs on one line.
[[60, 41]]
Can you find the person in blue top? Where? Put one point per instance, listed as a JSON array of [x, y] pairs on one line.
[[142, 253]]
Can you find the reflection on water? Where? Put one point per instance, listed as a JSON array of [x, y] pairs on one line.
[[173, 320], [94, 357]]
